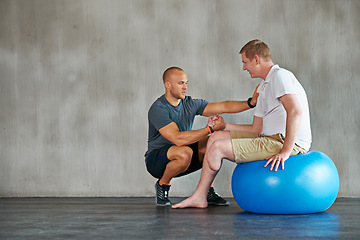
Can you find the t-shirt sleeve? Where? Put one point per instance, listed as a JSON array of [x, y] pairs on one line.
[[159, 116], [284, 84], [200, 105]]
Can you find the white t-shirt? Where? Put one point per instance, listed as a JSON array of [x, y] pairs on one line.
[[278, 83]]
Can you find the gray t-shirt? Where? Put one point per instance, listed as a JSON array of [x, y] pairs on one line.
[[161, 113]]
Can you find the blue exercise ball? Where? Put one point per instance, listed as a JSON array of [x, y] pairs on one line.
[[309, 183]]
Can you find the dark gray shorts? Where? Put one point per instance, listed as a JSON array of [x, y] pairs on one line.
[[157, 160]]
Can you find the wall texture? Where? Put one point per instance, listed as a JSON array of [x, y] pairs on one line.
[[77, 78]]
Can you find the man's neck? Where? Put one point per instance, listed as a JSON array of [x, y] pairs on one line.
[[267, 67], [173, 101]]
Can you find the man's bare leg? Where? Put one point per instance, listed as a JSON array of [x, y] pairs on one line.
[[180, 159], [206, 142], [202, 148], [212, 163]]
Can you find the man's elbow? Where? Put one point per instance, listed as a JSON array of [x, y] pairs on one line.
[[257, 130], [295, 112]]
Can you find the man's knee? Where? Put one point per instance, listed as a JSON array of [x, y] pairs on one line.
[[182, 155], [216, 135], [217, 153], [221, 149], [219, 135]]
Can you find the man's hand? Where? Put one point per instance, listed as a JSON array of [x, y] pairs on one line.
[[255, 96], [276, 160], [211, 121], [219, 124]]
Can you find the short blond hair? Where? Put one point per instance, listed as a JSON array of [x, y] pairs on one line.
[[256, 47]]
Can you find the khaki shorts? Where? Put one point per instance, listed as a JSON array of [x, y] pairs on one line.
[[250, 147]]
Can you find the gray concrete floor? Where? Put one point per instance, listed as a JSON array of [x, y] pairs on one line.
[[139, 218]]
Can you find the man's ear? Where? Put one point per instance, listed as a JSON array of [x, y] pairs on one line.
[[167, 84], [257, 59]]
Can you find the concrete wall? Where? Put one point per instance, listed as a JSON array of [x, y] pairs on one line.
[[77, 79]]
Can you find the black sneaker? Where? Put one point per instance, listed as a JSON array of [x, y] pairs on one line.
[[162, 194], [215, 199]]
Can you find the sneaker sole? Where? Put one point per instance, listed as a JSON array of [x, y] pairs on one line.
[[163, 205], [219, 204]]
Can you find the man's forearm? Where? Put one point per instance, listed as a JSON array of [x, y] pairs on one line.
[[239, 106], [292, 128], [240, 127], [255, 127], [235, 106], [225, 107], [190, 137]]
